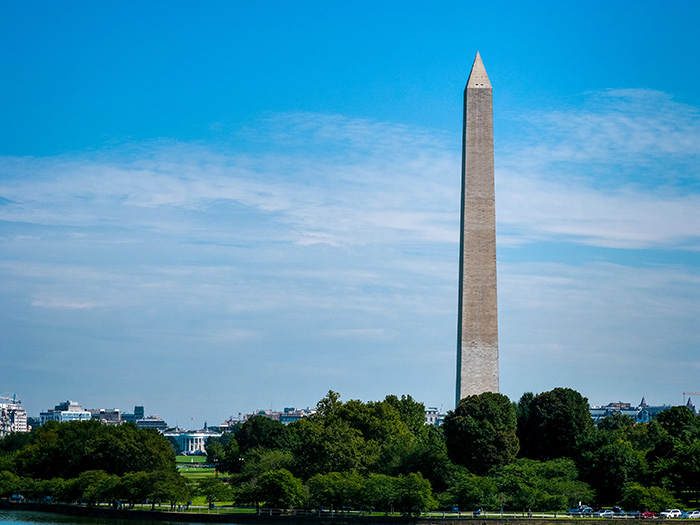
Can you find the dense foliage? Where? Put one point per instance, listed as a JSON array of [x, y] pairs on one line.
[[91, 462], [542, 453]]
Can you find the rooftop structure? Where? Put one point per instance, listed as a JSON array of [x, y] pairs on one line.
[[288, 415], [108, 416], [152, 421], [66, 411], [642, 413]]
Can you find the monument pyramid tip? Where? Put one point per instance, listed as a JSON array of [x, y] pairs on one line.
[[478, 77]]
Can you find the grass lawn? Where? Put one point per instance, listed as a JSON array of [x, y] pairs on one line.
[[193, 460], [197, 473]]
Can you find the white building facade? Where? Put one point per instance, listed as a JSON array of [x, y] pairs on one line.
[[13, 418], [191, 443]]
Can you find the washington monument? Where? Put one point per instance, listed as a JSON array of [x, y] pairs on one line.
[[477, 325]]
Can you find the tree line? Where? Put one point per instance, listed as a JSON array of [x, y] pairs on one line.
[[93, 463], [541, 453]]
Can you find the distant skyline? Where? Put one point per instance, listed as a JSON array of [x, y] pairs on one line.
[[214, 208]]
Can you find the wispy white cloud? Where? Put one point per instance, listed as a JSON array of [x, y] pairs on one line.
[[621, 171], [62, 303], [334, 242]]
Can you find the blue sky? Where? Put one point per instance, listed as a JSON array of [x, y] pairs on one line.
[[211, 208]]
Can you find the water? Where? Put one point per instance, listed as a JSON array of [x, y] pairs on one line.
[[8, 517]]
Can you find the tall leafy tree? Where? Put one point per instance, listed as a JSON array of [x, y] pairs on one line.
[[411, 412], [68, 449], [213, 490], [608, 463], [231, 459], [681, 423], [481, 432], [414, 495], [543, 485], [635, 496], [279, 489], [261, 431], [557, 421], [336, 489], [380, 492]]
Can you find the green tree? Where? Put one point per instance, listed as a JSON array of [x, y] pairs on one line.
[[414, 495], [134, 488], [173, 488], [327, 405], [260, 460], [97, 486], [543, 485], [429, 457], [10, 483], [68, 449], [470, 491], [215, 448], [635, 496], [260, 431], [681, 423], [557, 421], [481, 432], [608, 463], [213, 490], [10, 445], [380, 492], [522, 412], [334, 446], [679, 468], [279, 489], [336, 489], [411, 412], [231, 459], [615, 421]]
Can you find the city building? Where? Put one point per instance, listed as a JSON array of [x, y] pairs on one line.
[[138, 413], [66, 411], [642, 413], [13, 417], [152, 421], [231, 423], [108, 416], [434, 417], [477, 321]]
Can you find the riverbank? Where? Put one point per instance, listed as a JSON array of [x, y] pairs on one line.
[[292, 518]]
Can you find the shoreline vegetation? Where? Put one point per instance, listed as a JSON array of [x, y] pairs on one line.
[[300, 516], [372, 461]]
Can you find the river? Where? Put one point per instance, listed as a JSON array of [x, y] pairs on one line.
[[27, 516]]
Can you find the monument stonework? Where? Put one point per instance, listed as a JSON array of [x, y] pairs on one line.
[[477, 326]]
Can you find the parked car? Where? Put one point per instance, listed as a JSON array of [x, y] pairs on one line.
[[647, 514], [606, 513], [671, 513], [618, 511], [581, 510], [692, 515]]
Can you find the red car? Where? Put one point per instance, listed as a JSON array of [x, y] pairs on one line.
[[648, 514]]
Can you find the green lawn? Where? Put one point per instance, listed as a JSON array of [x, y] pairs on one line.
[[190, 459]]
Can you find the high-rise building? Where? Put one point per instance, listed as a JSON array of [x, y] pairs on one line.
[[477, 325], [13, 417]]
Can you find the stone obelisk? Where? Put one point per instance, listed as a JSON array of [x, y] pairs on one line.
[[477, 326]]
